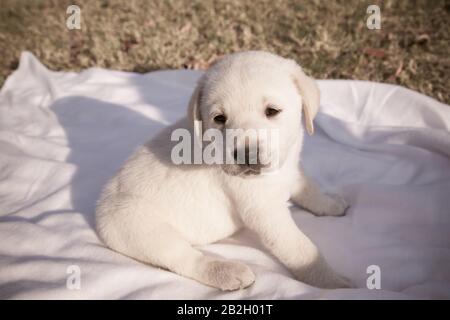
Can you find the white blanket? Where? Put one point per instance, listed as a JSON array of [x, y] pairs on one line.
[[62, 135]]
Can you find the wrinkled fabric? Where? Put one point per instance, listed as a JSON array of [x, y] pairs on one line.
[[386, 149]]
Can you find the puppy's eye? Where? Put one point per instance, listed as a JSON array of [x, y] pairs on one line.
[[271, 111], [220, 119]]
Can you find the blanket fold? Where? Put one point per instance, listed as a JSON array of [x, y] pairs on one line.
[[385, 148]]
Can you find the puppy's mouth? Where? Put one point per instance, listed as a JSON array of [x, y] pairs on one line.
[[243, 170], [251, 172]]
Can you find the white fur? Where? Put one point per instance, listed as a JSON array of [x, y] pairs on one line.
[[156, 212]]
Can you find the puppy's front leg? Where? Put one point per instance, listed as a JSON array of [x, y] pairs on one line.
[[307, 194], [279, 233]]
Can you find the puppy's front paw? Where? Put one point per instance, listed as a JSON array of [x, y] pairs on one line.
[[332, 205], [228, 275]]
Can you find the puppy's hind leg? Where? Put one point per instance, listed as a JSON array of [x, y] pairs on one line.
[[166, 248]]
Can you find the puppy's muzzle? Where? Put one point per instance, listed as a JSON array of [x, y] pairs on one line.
[[248, 160]]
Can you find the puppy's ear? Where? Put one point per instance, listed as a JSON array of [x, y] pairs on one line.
[[194, 114], [310, 94]]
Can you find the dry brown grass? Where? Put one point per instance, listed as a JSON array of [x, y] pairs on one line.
[[329, 38]]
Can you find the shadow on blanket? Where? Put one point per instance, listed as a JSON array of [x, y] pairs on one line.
[[101, 136]]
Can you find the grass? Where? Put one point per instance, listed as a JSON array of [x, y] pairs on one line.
[[328, 38]]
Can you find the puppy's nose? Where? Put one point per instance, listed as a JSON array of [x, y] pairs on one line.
[[246, 156]]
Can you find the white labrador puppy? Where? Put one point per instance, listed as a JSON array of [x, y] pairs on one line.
[[156, 211]]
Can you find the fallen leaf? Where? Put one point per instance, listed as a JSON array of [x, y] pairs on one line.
[[374, 52]]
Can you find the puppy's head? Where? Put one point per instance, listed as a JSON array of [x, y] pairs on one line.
[[257, 100]]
